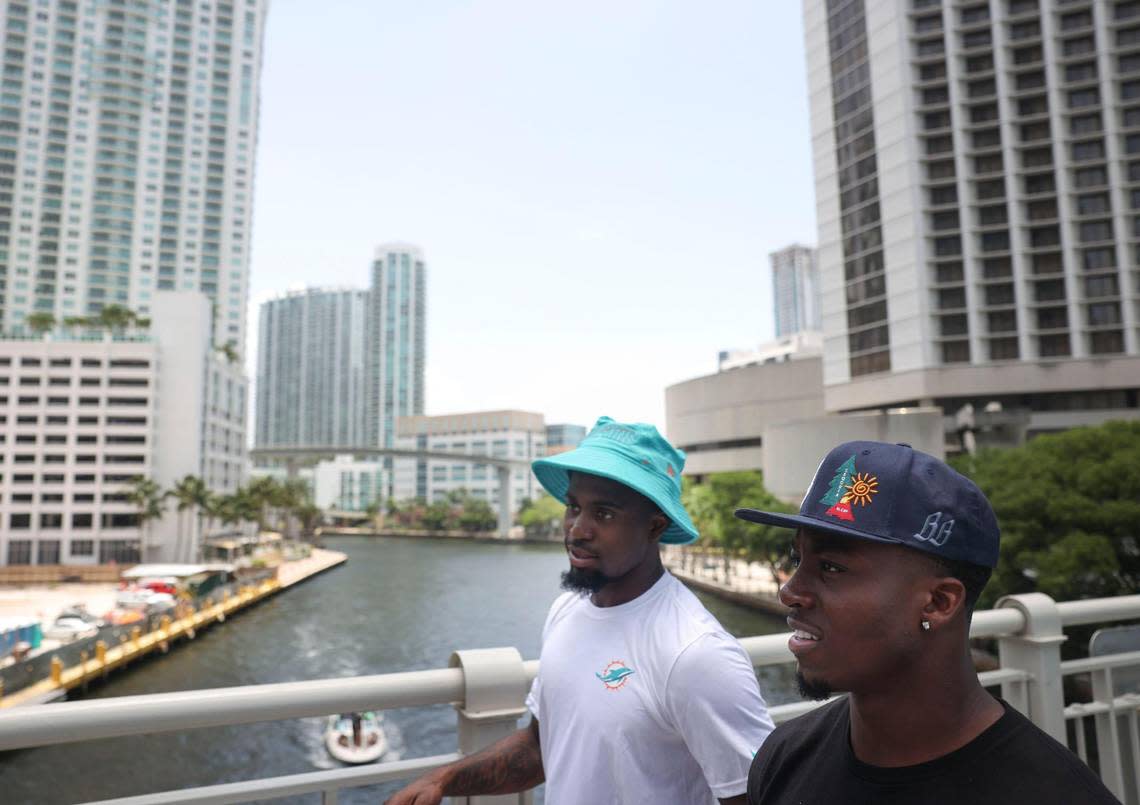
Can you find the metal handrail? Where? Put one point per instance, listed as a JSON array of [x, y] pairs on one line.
[[68, 722]]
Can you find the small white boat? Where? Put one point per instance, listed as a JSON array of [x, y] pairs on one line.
[[355, 737]]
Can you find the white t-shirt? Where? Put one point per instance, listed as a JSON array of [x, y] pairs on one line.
[[651, 701]]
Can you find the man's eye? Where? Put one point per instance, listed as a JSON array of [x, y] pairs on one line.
[[605, 514], [794, 558], [571, 508], [829, 567]]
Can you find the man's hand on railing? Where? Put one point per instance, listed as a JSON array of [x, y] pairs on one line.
[[508, 766], [424, 791]]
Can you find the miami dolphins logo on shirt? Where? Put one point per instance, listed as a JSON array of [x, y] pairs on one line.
[[615, 675]]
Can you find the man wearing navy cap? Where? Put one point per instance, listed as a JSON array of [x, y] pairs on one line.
[[641, 695], [892, 549]]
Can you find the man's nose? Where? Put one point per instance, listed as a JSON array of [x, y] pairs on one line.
[[793, 592], [579, 527]]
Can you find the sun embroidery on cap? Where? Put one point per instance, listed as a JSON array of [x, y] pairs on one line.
[[849, 487]]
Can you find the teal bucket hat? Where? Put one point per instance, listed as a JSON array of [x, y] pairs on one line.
[[633, 454]]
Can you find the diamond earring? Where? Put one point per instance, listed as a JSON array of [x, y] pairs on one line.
[[926, 626]]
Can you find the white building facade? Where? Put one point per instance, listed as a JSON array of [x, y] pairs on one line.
[[346, 484], [311, 362], [127, 136], [978, 195], [519, 435], [795, 290], [83, 414]]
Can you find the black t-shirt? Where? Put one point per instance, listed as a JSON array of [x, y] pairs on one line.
[[809, 761]]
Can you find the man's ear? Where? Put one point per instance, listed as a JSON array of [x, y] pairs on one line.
[[658, 522], [947, 599]]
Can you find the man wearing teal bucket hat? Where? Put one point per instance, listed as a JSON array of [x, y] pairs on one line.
[[641, 695]]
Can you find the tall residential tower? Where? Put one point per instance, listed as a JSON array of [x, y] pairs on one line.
[[127, 136], [977, 173], [311, 386], [396, 339], [795, 290]]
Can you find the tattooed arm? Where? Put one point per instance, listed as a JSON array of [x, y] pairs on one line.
[[507, 766]]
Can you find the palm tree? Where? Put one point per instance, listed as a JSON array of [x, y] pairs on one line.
[[116, 317], [229, 349], [148, 500], [373, 510], [211, 510], [40, 322], [294, 497], [190, 492], [310, 516], [263, 492]]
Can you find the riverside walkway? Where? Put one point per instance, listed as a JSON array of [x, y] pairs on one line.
[[749, 584], [184, 624]]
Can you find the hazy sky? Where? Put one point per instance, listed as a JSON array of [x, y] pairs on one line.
[[596, 185]]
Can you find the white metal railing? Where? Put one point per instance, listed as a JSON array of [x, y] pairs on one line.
[[488, 688]]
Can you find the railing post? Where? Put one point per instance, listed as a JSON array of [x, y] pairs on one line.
[[1037, 651], [495, 687]]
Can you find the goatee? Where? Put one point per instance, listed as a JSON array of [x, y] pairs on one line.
[[815, 689], [583, 580]]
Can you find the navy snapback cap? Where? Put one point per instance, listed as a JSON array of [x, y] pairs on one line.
[[893, 493]]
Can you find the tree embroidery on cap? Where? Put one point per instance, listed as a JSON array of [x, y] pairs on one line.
[[848, 487]]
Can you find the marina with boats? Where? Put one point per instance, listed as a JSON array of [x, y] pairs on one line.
[[151, 609]]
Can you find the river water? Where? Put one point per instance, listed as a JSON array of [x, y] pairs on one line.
[[396, 605]]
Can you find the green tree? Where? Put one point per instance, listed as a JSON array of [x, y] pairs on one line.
[[191, 494], [116, 317], [542, 517], [711, 505], [149, 502], [437, 516], [229, 350], [373, 510], [40, 322], [476, 515], [263, 492], [1068, 505], [292, 496], [310, 516]]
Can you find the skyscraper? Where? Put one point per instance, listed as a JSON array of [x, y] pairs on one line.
[[978, 197], [311, 386], [795, 290], [396, 339], [127, 136]]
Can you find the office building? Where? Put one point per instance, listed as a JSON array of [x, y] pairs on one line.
[[127, 136], [788, 348], [311, 385], [795, 290], [977, 174], [518, 435], [83, 413], [562, 437], [348, 485]]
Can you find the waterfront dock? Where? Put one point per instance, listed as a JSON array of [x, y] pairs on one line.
[[184, 625]]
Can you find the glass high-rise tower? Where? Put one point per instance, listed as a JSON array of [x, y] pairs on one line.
[[338, 367], [795, 290], [396, 339], [311, 384], [127, 137]]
